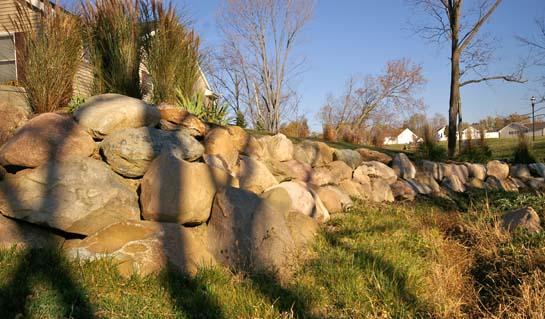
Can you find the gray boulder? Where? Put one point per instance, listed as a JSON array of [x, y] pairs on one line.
[[537, 169], [403, 167], [131, 151], [520, 171], [525, 218], [350, 157], [313, 153]]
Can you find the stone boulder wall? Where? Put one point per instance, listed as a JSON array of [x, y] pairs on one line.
[[24, 235], [104, 114], [254, 175], [289, 170], [476, 171], [497, 169], [339, 171], [350, 157], [177, 191], [174, 118], [368, 155], [454, 183], [79, 195], [145, 247], [433, 169], [403, 167], [313, 153], [303, 200], [321, 176], [375, 170], [252, 233], [334, 199], [381, 191], [46, 137], [506, 185], [13, 116], [130, 152], [220, 142], [276, 147], [355, 189], [239, 137]]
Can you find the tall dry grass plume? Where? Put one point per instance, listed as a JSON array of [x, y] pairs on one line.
[[330, 134], [523, 152], [171, 53], [48, 56], [114, 39]]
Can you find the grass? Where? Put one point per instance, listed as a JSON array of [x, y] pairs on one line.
[[434, 258]]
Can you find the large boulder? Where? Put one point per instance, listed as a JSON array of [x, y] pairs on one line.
[[277, 147], [433, 169], [47, 137], [80, 195], [303, 230], [520, 171], [24, 235], [374, 170], [402, 190], [289, 170], [356, 189], [251, 233], [239, 137], [403, 167], [321, 176], [506, 185], [476, 171], [145, 247], [525, 218], [497, 169], [303, 200], [177, 191], [339, 171], [313, 153], [537, 169], [381, 191], [219, 142], [476, 183], [334, 199], [254, 175], [350, 157], [460, 171], [104, 114], [130, 152], [174, 118], [454, 183], [13, 117], [368, 155], [536, 183], [424, 184]]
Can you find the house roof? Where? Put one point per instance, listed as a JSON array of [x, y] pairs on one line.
[[526, 126]]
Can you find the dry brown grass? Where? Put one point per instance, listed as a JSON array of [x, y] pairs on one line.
[[48, 57], [330, 134]]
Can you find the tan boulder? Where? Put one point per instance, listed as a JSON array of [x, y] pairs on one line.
[[46, 137], [277, 147], [403, 167], [476, 183], [433, 169], [453, 183], [334, 199], [219, 142], [506, 185], [104, 114], [497, 169], [402, 190], [339, 171], [368, 155], [177, 191], [13, 117], [355, 189], [289, 170], [376, 170], [313, 153], [254, 175], [321, 176], [303, 230], [424, 184], [381, 191], [23, 235], [303, 200], [239, 137], [174, 117], [520, 171], [476, 171], [145, 247], [80, 195]]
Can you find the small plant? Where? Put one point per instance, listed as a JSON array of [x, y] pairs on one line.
[[297, 128], [213, 113], [194, 105], [172, 53], [75, 103], [49, 57], [523, 153], [240, 119], [429, 149], [330, 134], [113, 31], [217, 113]]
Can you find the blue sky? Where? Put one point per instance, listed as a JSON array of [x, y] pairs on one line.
[[348, 37]]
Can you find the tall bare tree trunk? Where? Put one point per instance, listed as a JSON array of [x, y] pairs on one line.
[[454, 78]]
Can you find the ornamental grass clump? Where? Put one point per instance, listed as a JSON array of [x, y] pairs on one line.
[[48, 57], [171, 53], [114, 38]]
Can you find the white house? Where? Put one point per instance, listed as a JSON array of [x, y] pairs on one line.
[[469, 132], [441, 134], [404, 138]]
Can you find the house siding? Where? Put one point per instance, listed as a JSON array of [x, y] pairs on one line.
[[8, 11]]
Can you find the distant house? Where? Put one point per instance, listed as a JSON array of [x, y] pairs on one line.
[[404, 138], [515, 129], [469, 132], [10, 40]]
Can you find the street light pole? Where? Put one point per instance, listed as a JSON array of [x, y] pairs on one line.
[[533, 99]]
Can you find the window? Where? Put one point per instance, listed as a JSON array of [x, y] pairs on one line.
[[8, 67]]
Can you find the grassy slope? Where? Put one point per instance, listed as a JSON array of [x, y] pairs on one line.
[[400, 260]]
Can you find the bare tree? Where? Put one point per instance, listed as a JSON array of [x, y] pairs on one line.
[[259, 61], [376, 99], [536, 44], [469, 54]]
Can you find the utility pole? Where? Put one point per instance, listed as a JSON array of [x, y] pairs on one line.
[[533, 99]]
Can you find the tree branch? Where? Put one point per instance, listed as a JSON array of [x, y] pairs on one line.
[[507, 78]]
